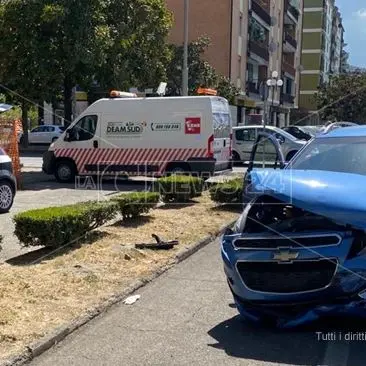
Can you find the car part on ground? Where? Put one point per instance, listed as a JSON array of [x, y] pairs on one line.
[[159, 245]]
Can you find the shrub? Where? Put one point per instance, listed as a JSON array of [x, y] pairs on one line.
[[179, 188], [227, 192], [57, 226], [132, 205]]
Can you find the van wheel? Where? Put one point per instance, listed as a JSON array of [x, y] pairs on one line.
[[65, 172], [178, 169], [6, 196]]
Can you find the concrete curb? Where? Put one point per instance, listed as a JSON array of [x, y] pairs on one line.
[[38, 347]]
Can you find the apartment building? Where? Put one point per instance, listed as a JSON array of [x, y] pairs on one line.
[[250, 39], [322, 48]]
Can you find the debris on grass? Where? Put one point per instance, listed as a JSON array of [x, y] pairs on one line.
[[159, 245]]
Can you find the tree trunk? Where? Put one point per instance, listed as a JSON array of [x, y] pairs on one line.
[[41, 112], [25, 109], [68, 86]]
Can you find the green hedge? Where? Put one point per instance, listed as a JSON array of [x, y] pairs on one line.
[[228, 192], [132, 205], [179, 188], [57, 226]]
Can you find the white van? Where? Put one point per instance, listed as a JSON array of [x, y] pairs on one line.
[[144, 136]]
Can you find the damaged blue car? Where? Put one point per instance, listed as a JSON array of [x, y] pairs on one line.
[[298, 251]]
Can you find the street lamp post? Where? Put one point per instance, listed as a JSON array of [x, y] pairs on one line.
[[273, 84], [185, 53]]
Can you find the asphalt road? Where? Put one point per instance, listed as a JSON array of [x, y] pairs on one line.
[[187, 317]]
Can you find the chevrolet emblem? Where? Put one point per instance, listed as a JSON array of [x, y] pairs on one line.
[[285, 256]]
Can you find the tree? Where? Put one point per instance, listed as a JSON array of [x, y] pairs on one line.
[[137, 54], [343, 99], [26, 70], [201, 73], [78, 37]]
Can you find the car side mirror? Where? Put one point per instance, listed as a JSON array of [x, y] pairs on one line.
[[68, 136]]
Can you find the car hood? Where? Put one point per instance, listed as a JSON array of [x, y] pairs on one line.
[[340, 197]]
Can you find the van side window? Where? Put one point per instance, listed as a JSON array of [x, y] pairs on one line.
[[85, 129]]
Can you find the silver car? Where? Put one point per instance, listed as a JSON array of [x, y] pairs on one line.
[[244, 138]]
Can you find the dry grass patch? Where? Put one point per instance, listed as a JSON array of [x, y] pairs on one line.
[[34, 299]]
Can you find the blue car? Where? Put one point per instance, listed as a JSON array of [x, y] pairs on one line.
[[298, 251]]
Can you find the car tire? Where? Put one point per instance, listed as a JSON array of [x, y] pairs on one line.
[[236, 158], [290, 155], [6, 196], [65, 171]]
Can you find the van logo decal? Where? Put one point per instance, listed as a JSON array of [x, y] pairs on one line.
[[125, 128], [193, 126], [166, 126]]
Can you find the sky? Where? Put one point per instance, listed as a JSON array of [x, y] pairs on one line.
[[354, 22]]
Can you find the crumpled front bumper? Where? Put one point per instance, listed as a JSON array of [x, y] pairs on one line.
[[343, 296], [260, 315]]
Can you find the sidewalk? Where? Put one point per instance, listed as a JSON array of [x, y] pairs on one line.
[[185, 317]]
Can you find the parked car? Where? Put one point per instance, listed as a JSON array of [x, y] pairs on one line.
[[298, 251], [7, 182], [302, 132], [334, 125], [45, 134], [244, 138]]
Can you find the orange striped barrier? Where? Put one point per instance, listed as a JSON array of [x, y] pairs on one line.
[[9, 130]]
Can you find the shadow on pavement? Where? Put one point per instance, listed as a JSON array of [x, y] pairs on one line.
[[241, 340], [294, 347], [37, 181]]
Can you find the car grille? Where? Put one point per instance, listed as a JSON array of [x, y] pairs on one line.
[[298, 276], [275, 242]]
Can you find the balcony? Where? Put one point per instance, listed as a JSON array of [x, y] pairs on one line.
[[287, 98], [259, 8], [288, 68], [259, 49], [292, 10], [289, 39]]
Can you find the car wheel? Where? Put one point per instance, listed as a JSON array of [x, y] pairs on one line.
[[65, 172], [236, 158], [6, 196]]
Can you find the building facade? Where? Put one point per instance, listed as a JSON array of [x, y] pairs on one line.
[[322, 48], [250, 39]]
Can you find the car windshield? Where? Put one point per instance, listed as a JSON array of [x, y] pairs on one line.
[[338, 154]]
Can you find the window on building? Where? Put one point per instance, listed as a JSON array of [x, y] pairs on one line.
[[288, 86]]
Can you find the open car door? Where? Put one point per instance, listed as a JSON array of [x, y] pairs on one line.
[[260, 159]]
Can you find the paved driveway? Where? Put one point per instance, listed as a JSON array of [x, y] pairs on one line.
[[187, 317]]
